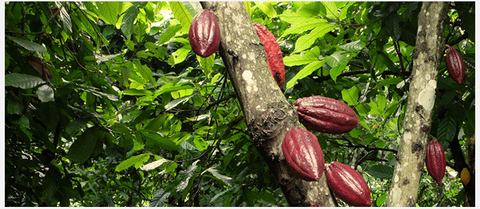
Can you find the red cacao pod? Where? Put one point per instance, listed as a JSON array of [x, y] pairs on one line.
[[316, 205], [204, 33], [326, 115], [455, 65], [436, 162], [274, 54], [303, 154], [348, 185]]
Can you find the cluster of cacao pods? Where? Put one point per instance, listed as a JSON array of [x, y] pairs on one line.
[[274, 53], [304, 156], [436, 162], [326, 115], [204, 33], [455, 65]]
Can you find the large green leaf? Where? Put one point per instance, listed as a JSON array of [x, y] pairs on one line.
[[169, 34], [351, 95], [23, 81], [306, 41], [381, 171], [181, 14], [128, 28], [110, 11], [306, 71], [447, 129], [302, 59], [138, 161], [65, 17], [154, 139], [267, 7], [331, 8], [84, 145], [27, 44]]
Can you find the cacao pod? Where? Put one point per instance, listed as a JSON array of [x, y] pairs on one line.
[[274, 54], [204, 33], [303, 154], [436, 160], [455, 65], [316, 205], [465, 176], [348, 185], [326, 115]]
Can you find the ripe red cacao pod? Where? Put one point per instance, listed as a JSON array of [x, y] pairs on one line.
[[326, 115], [204, 33], [455, 65], [303, 154], [436, 163], [274, 53], [348, 185], [316, 205]]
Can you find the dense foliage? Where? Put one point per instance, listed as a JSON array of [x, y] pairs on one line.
[[107, 105]]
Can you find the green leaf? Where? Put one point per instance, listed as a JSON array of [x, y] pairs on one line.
[[45, 93], [186, 175], [381, 171], [76, 125], [338, 61], [157, 140], [181, 54], [23, 81], [65, 17], [137, 92], [393, 26], [154, 164], [353, 46], [381, 200], [302, 59], [110, 11], [181, 14], [351, 95], [135, 160], [306, 71], [169, 87], [145, 72], [83, 147], [174, 103], [225, 179], [206, 64], [27, 44], [267, 8], [14, 105], [157, 123], [307, 40], [447, 129], [331, 8], [159, 198], [169, 34], [127, 22]]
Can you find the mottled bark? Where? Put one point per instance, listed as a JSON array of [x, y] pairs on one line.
[[268, 114], [428, 53]]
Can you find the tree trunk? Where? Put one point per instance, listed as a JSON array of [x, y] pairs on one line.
[[411, 155], [268, 114]]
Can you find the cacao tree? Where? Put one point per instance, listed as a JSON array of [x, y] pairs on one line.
[[111, 103]]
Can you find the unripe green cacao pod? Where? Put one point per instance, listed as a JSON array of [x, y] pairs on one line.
[[436, 163], [455, 65], [465, 176], [274, 53], [204, 33], [303, 154], [348, 185], [326, 115]]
